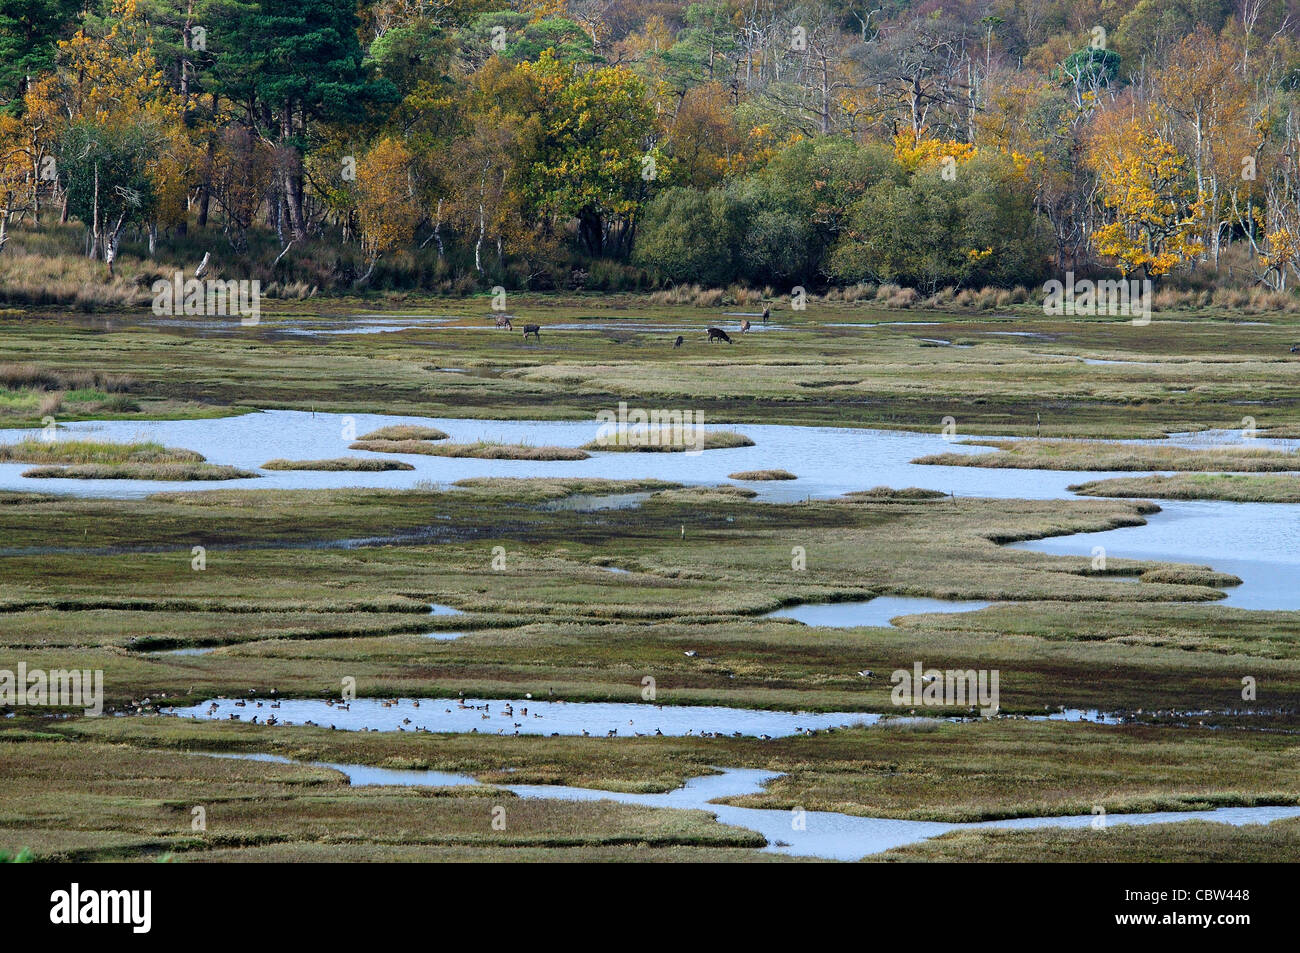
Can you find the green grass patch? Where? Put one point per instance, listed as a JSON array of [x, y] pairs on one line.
[[32, 450], [364, 464], [668, 441], [480, 450], [879, 494], [1236, 487], [1087, 455], [404, 432], [141, 471]]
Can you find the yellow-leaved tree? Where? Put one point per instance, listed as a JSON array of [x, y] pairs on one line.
[[1142, 180], [921, 151], [125, 155], [387, 209]]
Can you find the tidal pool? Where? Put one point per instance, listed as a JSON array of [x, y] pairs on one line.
[[529, 716], [878, 611], [822, 834], [1259, 542], [525, 716], [440, 610], [830, 461]]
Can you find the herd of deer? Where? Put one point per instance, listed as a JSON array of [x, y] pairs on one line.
[[715, 334]]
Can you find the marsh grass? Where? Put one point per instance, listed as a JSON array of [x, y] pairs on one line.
[[404, 432], [1237, 487], [883, 771], [884, 494], [555, 623], [481, 450], [1086, 455], [543, 489], [724, 493], [39, 280], [670, 440], [762, 475], [32, 450], [815, 373], [140, 471], [128, 803], [30, 392], [364, 464], [30, 376], [1176, 842]]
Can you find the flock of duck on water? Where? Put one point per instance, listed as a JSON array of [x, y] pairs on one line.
[[507, 710]]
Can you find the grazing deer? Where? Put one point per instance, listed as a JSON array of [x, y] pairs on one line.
[[678, 342], [717, 334], [767, 313], [744, 326], [504, 322], [534, 329]]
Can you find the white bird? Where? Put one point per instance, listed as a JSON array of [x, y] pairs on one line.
[[691, 654], [867, 673]]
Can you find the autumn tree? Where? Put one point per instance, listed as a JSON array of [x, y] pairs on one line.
[[703, 139], [15, 171], [594, 153], [1202, 91], [1143, 184], [125, 158], [386, 207]]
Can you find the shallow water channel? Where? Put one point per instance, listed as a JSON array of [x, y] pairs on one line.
[[1259, 542], [822, 834]]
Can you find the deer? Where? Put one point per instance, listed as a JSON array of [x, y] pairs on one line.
[[534, 329], [744, 326], [678, 342], [504, 322], [717, 334], [767, 313]]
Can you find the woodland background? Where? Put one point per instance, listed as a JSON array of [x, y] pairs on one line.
[[455, 145]]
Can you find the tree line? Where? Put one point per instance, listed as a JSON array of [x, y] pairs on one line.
[[544, 144]]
